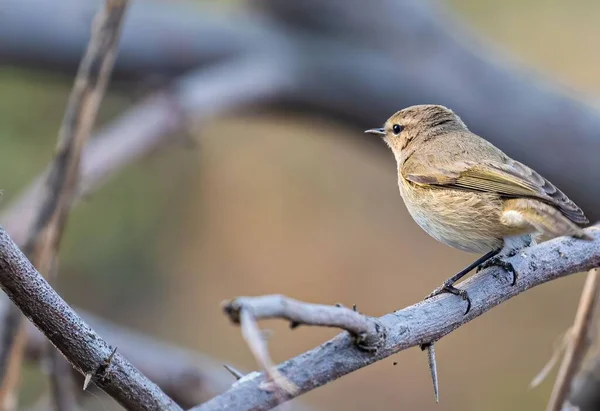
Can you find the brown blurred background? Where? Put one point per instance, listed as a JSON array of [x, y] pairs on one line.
[[287, 203]]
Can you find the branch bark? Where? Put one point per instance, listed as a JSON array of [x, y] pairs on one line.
[[84, 348], [419, 324]]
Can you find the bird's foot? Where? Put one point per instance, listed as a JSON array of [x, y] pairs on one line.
[[498, 261], [447, 287]]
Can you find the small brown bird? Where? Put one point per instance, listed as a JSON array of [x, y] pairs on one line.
[[468, 194]]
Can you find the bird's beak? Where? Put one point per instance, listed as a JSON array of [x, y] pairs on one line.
[[376, 131]]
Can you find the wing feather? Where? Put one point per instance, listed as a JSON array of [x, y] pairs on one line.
[[508, 179]]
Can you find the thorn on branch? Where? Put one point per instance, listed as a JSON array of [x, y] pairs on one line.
[[101, 370], [88, 379], [432, 368], [237, 374]]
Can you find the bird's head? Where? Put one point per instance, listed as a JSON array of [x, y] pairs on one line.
[[417, 123]]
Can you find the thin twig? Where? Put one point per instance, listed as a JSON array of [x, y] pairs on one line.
[[258, 346], [80, 344], [578, 342], [61, 182], [419, 324]]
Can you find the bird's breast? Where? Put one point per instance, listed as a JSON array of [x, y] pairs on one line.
[[469, 221]]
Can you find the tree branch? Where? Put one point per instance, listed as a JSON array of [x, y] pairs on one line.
[[367, 333], [44, 239], [84, 348], [419, 324]]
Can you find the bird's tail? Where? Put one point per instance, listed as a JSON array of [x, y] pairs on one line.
[[545, 219]]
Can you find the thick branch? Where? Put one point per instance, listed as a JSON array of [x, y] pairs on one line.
[[418, 324], [84, 348]]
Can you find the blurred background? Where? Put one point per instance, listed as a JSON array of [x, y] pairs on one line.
[[291, 198]]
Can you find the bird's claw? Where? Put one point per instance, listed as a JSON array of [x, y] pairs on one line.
[[499, 262], [449, 288]]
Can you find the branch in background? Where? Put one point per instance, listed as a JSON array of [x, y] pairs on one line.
[[44, 239], [62, 383], [366, 332], [419, 324], [578, 342], [343, 68], [79, 343], [195, 97]]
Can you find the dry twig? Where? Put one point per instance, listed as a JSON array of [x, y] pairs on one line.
[[578, 342], [419, 324]]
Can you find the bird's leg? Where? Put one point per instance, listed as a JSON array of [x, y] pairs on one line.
[[512, 245], [498, 261], [448, 285]]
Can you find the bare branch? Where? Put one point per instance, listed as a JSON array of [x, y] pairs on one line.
[[366, 331], [578, 342], [419, 324], [84, 348], [61, 183]]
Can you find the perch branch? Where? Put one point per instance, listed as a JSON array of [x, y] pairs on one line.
[[77, 341], [419, 324], [61, 182], [578, 342]]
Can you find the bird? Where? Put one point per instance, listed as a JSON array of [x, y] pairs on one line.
[[468, 194]]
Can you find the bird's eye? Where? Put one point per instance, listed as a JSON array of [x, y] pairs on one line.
[[397, 129]]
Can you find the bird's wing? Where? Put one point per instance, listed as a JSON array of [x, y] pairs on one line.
[[509, 179]]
